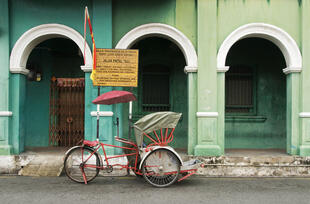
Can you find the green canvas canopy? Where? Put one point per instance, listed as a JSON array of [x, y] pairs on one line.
[[155, 121]]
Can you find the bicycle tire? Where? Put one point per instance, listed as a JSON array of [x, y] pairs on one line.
[[157, 168], [73, 161]]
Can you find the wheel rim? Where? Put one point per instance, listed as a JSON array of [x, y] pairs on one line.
[[75, 162], [161, 168]]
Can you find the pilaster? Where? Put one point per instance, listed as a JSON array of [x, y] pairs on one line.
[[186, 22], [17, 125], [292, 112], [304, 140], [5, 147], [102, 28], [192, 109], [207, 80]]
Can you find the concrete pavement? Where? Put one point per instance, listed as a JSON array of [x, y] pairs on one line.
[[16, 189], [236, 163]]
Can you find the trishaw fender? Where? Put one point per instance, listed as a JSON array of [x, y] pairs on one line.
[[86, 147], [154, 148], [69, 150]]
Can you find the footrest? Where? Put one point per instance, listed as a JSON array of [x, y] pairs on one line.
[[191, 164], [123, 140]]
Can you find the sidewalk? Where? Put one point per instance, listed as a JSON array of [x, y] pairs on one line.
[[235, 163]]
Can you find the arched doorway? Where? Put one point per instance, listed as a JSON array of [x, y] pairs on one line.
[[54, 101], [162, 83], [18, 67], [180, 42], [290, 51], [255, 96]]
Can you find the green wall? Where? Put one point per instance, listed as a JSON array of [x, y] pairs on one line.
[[180, 14], [160, 51], [266, 128], [206, 23], [5, 147], [216, 19], [130, 14], [25, 15], [284, 14]]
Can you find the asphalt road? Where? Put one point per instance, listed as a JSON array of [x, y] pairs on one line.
[[15, 189]]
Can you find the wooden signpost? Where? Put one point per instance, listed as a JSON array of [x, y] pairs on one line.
[[116, 67]]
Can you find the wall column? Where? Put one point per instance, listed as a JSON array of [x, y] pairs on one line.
[[5, 113], [192, 110], [304, 115], [102, 28], [292, 114], [207, 115], [187, 24], [17, 125]]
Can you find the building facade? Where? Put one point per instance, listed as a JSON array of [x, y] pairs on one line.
[[237, 70]]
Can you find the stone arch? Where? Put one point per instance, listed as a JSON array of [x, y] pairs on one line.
[[293, 59], [191, 68], [38, 34], [279, 37], [164, 31]]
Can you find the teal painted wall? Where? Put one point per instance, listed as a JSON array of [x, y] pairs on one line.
[[270, 101], [25, 15], [180, 14], [55, 57], [5, 147], [130, 14]]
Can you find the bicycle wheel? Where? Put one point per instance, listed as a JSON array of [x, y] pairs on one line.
[[75, 162], [161, 168]]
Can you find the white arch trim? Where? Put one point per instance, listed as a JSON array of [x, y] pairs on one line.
[[38, 34], [279, 37], [164, 31]]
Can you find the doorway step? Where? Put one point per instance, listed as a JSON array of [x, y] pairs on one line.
[[254, 163], [47, 161]]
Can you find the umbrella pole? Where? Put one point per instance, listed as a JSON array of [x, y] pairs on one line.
[[130, 120], [98, 109]]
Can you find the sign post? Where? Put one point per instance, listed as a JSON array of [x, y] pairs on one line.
[[116, 67]]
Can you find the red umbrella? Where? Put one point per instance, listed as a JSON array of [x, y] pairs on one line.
[[113, 97]]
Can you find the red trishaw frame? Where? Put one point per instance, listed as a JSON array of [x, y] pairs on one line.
[[163, 140]]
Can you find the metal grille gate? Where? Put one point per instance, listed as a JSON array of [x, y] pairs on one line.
[[66, 120]]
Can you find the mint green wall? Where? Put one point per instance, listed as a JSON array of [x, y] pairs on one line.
[[231, 15], [61, 61], [216, 20], [284, 14], [209, 140], [304, 139], [267, 127]]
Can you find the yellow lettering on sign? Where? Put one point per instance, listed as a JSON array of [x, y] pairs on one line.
[[116, 67]]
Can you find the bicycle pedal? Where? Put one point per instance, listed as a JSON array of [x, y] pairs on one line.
[[109, 169]]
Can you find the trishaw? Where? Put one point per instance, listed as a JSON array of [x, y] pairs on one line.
[[150, 156]]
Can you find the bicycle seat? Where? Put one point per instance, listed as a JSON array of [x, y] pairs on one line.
[[90, 143]]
